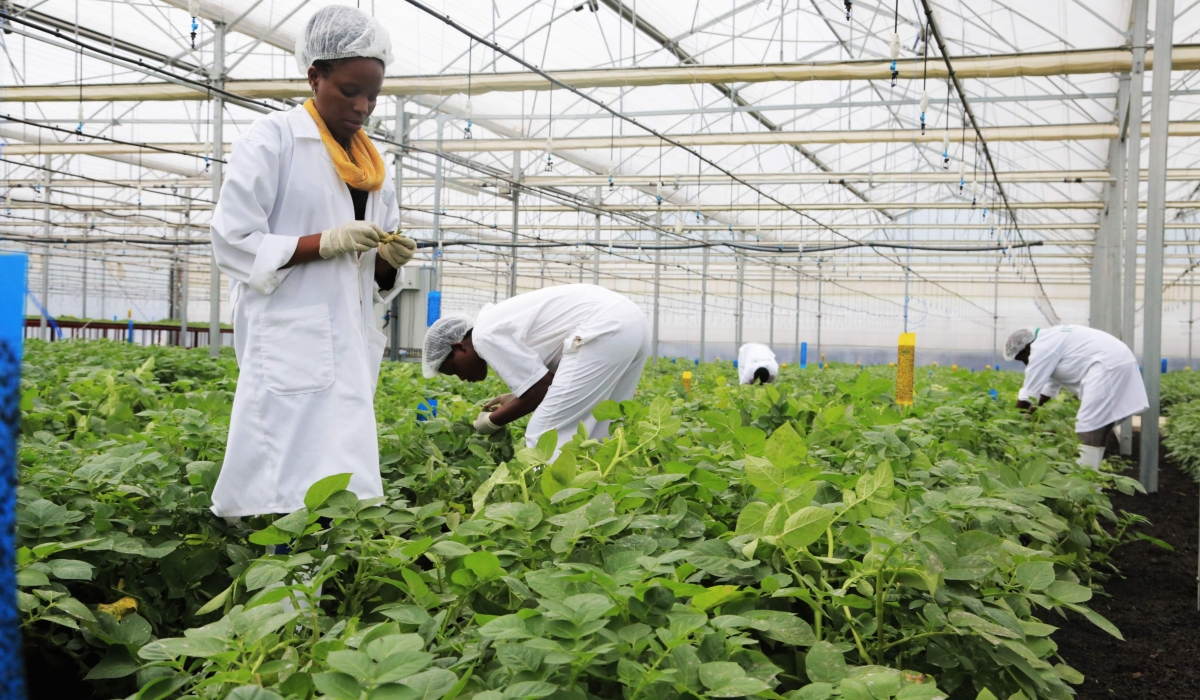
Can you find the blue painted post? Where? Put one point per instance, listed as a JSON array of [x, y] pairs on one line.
[[433, 310], [803, 355], [697, 362], [12, 322], [129, 338], [1164, 365]]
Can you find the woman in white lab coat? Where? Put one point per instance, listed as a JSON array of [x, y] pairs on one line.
[[1098, 368], [299, 229], [561, 350], [756, 363]]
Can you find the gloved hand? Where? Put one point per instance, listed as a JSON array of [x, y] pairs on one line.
[[398, 251], [350, 237], [499, 402], [484, 424]]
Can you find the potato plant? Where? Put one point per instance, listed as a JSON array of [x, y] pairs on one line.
[[804, 540]]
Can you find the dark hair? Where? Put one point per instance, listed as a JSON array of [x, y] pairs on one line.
[[761, 375], [325, 66]]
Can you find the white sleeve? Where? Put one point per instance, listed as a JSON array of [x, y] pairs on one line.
[[516, 363], [1044, 357], [243, 246]]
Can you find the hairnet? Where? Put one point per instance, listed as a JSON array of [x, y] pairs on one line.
[[338, 31], [441, 335], [1018, 341]]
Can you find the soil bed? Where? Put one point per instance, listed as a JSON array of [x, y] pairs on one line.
[[1153, 603]]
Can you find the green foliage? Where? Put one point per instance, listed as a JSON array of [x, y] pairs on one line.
[[1182, 436], [805, 539]]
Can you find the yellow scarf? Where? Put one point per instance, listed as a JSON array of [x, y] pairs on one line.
[[362, 168]]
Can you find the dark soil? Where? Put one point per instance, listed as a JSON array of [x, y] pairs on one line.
[[1153, 603]]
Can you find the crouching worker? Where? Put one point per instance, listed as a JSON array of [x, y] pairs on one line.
[[756, 363], [1093, 365], [561, 350]]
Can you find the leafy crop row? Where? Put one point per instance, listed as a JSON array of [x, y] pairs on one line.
[[803, 540]]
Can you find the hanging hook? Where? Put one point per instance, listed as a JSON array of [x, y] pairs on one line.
[[847, 3]]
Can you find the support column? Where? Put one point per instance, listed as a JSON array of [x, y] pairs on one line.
[[218, 150], [798, 280], [437, 207], [1191, 312], [657, 281], [596, 260], [45, 324], [184, 290], [1133, 165], [1105, 289], [83, 286], [741, 297], [820, 293], [1156, 201], [703, 296], [771, 333], [516, 211], [401, 135], [996, 314]]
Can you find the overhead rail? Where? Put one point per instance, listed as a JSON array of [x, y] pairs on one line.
[[1042, 64], [1049, 132]]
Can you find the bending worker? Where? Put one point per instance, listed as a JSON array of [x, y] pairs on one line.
[[756, 363], [1101, 370], [300, 230], [561, 350]]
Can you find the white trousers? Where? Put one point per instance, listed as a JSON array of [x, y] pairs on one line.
[[608, 366]]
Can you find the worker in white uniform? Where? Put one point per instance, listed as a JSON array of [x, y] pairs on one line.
[[561, 351], [300, 231], [756, 363], [1098, 368]]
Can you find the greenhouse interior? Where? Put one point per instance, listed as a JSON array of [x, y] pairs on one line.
[[900, 203]]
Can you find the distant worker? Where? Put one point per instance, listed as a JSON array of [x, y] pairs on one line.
[[561, 350], [1093, 365], [757, 363], [300, 231]]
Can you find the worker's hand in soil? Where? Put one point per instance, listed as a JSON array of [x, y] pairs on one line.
[[498, 402], [397, 249]]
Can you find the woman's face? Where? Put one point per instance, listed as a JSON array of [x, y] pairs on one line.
[[346, 95]]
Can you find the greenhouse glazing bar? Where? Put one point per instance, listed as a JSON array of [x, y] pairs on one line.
[[1156, 195], [218, 140]]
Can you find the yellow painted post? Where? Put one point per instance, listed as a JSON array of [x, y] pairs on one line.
[[905, 355], [953, 368], [858, 364], [687, 382]]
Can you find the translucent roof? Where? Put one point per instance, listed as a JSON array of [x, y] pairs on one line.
[[830, 191]]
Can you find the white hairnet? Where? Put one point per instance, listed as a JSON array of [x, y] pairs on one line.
[[1018, 341], [338, 31], [441, 335]]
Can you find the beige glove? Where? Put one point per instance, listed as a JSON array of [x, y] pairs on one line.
[[350, 237], [398, 251], [484, 424], [499, 402]]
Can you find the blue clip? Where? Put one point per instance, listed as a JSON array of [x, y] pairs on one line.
[[993, 394]]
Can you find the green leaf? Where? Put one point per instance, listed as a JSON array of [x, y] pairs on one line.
[[529, 689], [479, 499], [294, 523], [117, 664], [784, 627], [216, 602], [505, 627], [607, 410], [806, 526], [354, 663], [763, 474], [1097, 619], [714, 596], [752, 518], [167, 649], [785, 448], [450, 549], [485, 565], [825, 664], [319, 492], [1067, 592], [432, 684], [338, 686], [253, 692], [70, 569], [27, 578], [1035, 575]]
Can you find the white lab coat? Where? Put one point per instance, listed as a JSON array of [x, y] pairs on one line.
[[751, 356], [1093, 365], [594, 340], [306, 342]]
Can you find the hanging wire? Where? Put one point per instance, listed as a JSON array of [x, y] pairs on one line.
[[467, 132]]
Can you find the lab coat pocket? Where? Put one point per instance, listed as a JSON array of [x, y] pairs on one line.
[[297, 350]]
